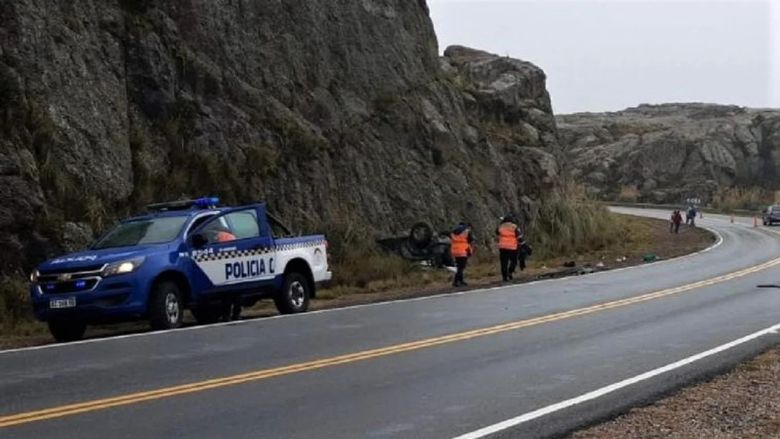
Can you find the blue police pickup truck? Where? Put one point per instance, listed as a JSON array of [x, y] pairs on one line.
[[181, 255]]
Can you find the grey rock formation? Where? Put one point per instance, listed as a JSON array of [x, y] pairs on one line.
[[76, 236], [336, 112], [672, 152]]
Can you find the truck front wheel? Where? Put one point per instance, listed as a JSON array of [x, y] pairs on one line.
[[67, 330], [165, 306], [295, 294]]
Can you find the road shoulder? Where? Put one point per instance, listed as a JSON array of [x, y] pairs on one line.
[[744, 402]]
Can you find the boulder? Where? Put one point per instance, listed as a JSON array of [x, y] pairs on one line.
[[673, 151]]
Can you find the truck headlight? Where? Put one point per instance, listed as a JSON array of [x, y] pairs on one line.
[[34, 276], [123, 267]]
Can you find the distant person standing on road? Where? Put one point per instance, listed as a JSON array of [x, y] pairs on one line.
[[691, 216], [509, 239], [674, 226], [461, 247]]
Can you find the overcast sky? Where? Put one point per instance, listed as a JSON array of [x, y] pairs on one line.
[[602, 55]]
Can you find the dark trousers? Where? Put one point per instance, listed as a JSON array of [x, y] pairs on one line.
[[676, 227], [460, 264], [508, 260]]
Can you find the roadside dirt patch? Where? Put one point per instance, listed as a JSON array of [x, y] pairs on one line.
[[744, 403], [651, 238], [648, 237]]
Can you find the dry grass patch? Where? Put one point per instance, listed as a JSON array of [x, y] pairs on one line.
[[629, 194], [730, 199]]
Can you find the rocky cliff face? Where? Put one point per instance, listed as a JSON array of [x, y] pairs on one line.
[[674, 151], [333, 111]]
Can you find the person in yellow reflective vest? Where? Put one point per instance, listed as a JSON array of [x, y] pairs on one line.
[[509, 240], [461, 247]]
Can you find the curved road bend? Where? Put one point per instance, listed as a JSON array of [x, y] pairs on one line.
[[431, 368]]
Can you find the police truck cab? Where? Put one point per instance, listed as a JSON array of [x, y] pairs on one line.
[[180, 255]]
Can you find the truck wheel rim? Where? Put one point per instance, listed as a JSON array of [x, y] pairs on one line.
[[172, 307], [297, 294]]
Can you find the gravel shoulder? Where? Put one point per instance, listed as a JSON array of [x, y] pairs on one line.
[[744, 403]]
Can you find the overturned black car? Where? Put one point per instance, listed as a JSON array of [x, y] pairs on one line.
[[422, 245]]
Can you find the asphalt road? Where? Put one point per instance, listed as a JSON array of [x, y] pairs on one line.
[[431, 368]]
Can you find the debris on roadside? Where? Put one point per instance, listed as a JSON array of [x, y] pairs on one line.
[[572, 271], [585, 270]]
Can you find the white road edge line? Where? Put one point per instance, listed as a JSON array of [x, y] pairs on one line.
[[514, 422], [365, 305]]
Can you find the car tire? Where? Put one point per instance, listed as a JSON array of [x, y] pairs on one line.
[[207, 314], [420, 235], [67, 330], [166, 309], [294, 296]]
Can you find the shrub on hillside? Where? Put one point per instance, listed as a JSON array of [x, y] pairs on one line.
[[629, 194], [753, 198], [569, 223], [14, 302]]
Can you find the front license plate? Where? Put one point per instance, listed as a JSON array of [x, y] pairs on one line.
[[68, 302]]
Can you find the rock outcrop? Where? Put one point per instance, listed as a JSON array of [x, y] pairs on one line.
[[670, 152], [333, 111]]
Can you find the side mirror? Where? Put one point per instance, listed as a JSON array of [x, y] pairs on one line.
[[198, 241]]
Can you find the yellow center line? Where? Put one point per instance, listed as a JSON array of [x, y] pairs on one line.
[[167, 392]]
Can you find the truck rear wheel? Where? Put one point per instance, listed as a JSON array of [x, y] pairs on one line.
[[295, 294], [67, 330], [165, 306]]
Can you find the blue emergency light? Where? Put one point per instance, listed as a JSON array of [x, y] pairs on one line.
[[206, 202], [200, 203]]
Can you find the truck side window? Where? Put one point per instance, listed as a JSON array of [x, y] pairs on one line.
[[244, 224], [218, 230], [197, 223], [230, 227]]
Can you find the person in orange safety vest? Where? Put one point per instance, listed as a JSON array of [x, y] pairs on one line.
[[461, 247], [510, 238], [225, 236]]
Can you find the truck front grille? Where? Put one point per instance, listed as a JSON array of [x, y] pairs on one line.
[[84, 269], [72, 286], [69, 281]]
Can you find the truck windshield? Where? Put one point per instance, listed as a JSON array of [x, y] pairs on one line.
[[775, 209], [143, 231]]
